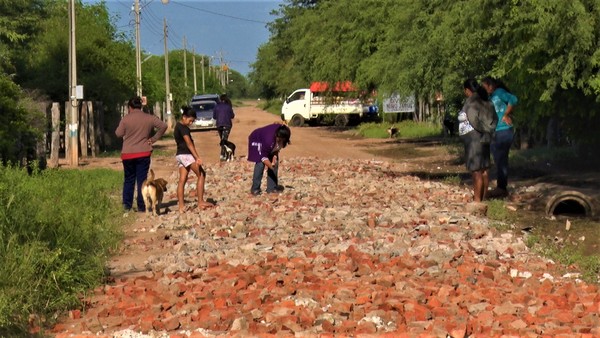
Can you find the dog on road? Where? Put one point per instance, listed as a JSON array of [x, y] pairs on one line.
[[229, 148], [152, 192]]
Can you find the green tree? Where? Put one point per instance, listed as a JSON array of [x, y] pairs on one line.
[[105, 60], [547, 51]]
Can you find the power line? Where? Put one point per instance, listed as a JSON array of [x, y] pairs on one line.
[[155, 24], [219, 14]]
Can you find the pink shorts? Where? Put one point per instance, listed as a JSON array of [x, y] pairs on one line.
[[185, 160]]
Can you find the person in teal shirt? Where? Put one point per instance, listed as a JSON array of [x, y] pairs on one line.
[[504, 102]]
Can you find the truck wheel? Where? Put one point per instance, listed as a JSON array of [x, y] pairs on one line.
[[341, 120], [297, 121]]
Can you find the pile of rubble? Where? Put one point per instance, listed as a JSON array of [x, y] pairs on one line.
[[349, 248]]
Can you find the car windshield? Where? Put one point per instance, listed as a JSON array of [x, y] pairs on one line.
[[204, 109]]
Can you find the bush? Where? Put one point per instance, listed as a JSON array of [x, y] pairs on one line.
[[57, 228], [273, 106]]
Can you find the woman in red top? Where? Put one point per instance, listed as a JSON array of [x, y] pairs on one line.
[[136, 129]]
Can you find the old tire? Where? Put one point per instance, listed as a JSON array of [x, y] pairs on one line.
[[341, 120], [297, 121]]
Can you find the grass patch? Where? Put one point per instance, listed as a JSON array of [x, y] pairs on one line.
[[452, 180], [567, 254], [163, 152], [57, 228], [525, 158], [272, 106], [500, 217], [406, 129]]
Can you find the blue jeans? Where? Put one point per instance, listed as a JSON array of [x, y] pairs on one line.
[[500, 147], [135, 171], [272, 183]]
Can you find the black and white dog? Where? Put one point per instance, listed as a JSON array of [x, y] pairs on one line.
[[228, 149]]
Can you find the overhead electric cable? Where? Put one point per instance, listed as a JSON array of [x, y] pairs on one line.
[[219, 14]]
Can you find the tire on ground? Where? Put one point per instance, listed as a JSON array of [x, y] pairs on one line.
[[297, 121], [341, 120]]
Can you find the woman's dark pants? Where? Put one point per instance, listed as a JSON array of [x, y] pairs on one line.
[[500, 147], [135, 171], [257, 176]]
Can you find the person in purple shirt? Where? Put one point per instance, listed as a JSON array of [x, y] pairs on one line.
[[264, 145], [224, 115]]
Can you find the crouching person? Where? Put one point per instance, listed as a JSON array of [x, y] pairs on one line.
[[264, 145]]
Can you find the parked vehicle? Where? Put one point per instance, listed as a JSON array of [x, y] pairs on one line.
[[319, 103], [204, 105]]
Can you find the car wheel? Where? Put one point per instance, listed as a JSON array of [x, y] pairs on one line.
[[297, 121]]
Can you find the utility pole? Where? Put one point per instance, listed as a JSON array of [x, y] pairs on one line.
[[184, 64], [73, 127], [221, 69], [138, 56], [194, 63], [203, 89], [168, 90], [226, 75]]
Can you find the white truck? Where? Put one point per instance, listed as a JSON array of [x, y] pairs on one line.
[[316, 105]]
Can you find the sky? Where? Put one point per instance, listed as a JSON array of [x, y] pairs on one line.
[[228, 29]]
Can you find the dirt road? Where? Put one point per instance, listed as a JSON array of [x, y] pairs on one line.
[[306, 142], [352, 246]]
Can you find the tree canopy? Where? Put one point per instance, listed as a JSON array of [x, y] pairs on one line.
[[546, 51], [34, 43]]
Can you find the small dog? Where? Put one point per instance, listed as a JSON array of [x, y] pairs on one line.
[[152, 192], [392, 131], [229, 150]]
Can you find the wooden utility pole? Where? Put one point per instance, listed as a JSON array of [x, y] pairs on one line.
[[73, 104], [184, 64], [167, 89], [203, 89], [194, 64], [138, 55]]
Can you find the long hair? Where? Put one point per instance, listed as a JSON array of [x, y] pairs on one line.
[[495, 83], [474, 87]]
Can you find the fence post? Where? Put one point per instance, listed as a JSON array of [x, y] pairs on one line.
[[157, 111], [99, 126], [91, 129], [67, 131], [55, 136], [83, 129]]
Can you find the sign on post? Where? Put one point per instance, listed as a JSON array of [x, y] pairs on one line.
[[398, 104]]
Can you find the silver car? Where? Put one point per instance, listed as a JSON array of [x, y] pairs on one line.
[[204, 105]]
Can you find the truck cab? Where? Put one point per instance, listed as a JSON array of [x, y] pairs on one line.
[[296, 109]]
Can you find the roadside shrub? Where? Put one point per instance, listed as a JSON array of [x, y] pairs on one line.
[[57, 228], [273, 106]]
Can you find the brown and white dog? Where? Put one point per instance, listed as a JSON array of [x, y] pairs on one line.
[[152, 192]]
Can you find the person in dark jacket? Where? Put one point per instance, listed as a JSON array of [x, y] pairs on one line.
[[224, 115], [477, 144], [264, 145], [136, 129]]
